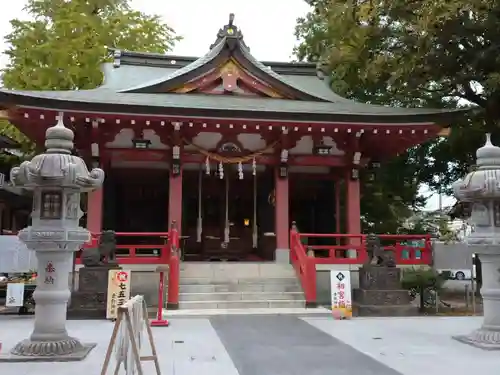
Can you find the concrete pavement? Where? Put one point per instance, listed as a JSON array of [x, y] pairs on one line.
[[273, 345]]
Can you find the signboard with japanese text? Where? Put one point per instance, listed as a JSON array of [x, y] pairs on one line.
[[15, 256], [118, 291], [341, 294], [15, 295]]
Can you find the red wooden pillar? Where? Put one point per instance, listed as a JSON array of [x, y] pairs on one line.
[[94, 210], [282, 219], [175, 201], [353, 210], [175, 182]]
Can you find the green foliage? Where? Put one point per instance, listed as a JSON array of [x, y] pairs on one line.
[[423, 277], [414, 54], [425, 283], [389, 194], [63, 44]]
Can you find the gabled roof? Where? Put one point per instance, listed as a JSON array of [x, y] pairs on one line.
[[228, 46], [158, 84], [134, 70]]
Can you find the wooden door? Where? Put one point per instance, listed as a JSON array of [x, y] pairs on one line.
[[213, 213]]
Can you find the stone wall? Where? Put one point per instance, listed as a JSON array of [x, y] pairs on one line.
[[452, 256], [144, 283]]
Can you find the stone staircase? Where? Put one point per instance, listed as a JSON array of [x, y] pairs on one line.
[[228, 285]]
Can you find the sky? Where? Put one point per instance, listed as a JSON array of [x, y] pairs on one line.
[[267, 25]]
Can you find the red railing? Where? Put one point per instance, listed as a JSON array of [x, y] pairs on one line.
[[138, 254], [165, 253], [404, 253], [305, 259], [304, 266]]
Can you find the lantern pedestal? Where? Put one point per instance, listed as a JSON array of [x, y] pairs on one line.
[[488, 336], [49, 341]]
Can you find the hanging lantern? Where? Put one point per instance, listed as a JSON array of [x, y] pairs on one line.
[[240, 170], [355, 174], [221, 170], [176, 161], [283, 168], [254, 166], [207, 166]]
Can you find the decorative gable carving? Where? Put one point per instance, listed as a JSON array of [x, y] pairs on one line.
[[230, 79]]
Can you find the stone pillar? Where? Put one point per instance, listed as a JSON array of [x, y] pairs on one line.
[[53, 268], [353, 210], [282, 219], [57, 178], [481, 188]]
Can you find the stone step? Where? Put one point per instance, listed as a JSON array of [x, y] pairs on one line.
[[241, 296], [235, 281], [236, 270], [239, 286], [394, 310], [254, 287], [240, 304]]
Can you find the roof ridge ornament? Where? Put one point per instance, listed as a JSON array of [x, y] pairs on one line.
[[229, 33]]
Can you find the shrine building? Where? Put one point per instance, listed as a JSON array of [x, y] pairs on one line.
[[231, 148]]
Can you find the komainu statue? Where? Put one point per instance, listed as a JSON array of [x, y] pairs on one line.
[[377, 254], [104, 254]]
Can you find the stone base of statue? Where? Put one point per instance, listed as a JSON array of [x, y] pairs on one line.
[[380, 293], [63, 350], [487, 337], [90, 300], [481, 338]]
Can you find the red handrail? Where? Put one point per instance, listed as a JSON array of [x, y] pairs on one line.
[[304, 266], [174, 269]]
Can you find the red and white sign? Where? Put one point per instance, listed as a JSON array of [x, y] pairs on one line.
[[341, 294], [118, 291], [122, 277]]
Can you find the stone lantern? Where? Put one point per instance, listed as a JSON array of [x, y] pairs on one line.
[[57, 178], [481, 188]]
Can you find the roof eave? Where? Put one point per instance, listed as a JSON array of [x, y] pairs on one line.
[[440, 117]]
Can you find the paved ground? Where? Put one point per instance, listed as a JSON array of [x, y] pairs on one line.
[[275, 345]]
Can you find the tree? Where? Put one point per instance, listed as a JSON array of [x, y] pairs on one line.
[[64, 43], [425, 53]]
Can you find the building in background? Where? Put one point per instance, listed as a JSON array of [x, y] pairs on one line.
[[231, 148]]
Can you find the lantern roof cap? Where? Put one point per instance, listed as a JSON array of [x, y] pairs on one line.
[[489, 154], [58, 138]]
